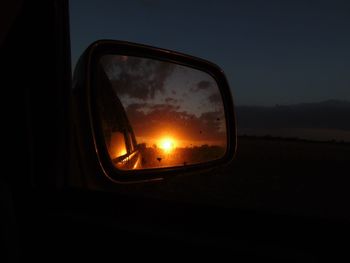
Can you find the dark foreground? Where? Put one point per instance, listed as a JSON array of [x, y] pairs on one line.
[[280, 201], [282, 176]]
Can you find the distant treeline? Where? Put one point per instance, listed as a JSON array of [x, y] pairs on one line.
[[296, 139], [330, 114]]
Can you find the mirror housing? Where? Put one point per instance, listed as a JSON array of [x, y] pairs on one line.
[[89, 134]]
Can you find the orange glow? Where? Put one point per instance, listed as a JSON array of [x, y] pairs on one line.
[[120, 152], [117, 146], [167, 144]]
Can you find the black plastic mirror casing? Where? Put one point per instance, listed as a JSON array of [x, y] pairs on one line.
[[94, 158]]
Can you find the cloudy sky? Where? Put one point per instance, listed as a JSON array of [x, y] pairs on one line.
[[162, 100]]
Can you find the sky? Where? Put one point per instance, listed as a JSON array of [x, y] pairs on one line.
[[166, 100], [272, 52]]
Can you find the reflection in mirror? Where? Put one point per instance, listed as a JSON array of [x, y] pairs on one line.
[[157, 114]]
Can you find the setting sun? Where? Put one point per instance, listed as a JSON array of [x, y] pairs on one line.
[[167, 144]]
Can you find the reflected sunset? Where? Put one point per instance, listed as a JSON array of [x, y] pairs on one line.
[[171, 115], [167, 144]]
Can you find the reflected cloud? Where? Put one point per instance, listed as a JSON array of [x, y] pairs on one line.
[[171, 100], [215, 98], [137, 77], [203, 85]]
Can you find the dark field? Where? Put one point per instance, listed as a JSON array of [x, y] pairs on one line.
[[271, 175]]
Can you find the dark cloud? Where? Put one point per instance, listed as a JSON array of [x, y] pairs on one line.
[[137, 107], [137, 77], [164, 107], [170, 100], [202, 85], [215, 98], [212, 119]]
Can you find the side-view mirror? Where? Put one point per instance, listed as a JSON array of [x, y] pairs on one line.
[[147, 113]]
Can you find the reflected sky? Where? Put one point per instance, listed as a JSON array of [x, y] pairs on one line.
[[167, 104]]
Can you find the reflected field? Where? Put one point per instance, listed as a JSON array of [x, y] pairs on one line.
[[154, 157]]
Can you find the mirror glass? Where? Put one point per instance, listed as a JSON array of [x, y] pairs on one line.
[[157, 114]]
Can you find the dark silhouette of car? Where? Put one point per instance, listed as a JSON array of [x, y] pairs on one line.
[[118, 133]]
